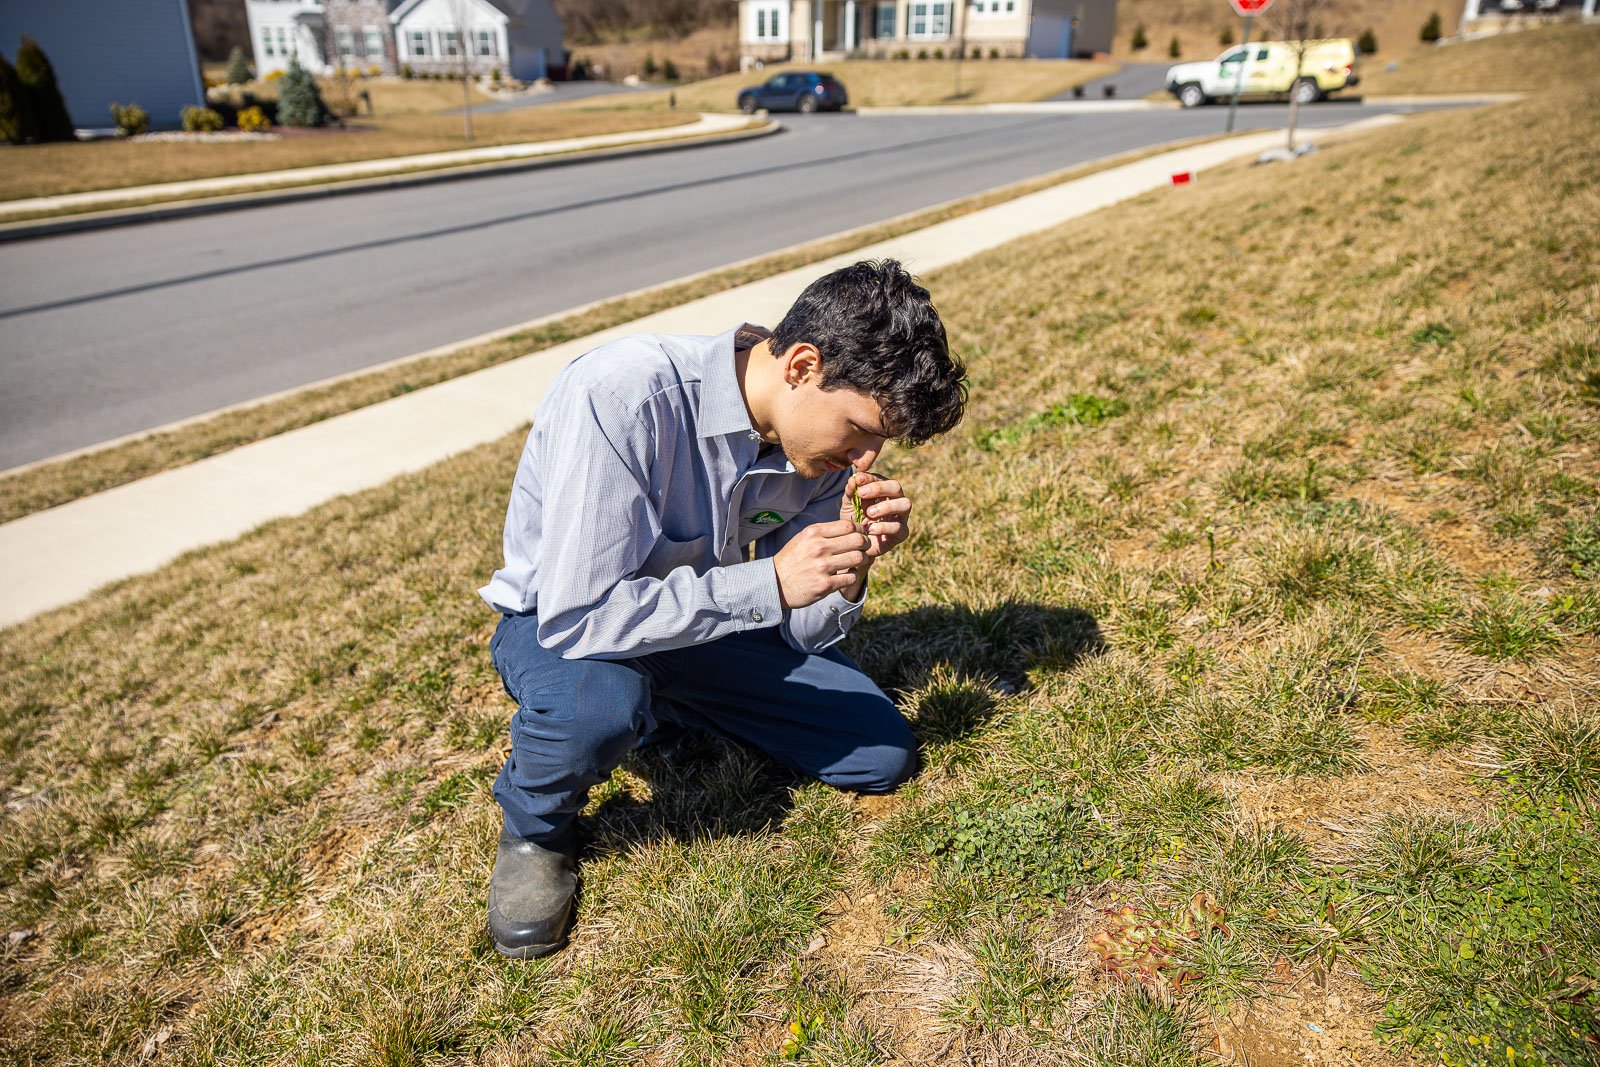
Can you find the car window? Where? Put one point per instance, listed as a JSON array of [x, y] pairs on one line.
[[1233, 57], [1261, 55], [778, 81]]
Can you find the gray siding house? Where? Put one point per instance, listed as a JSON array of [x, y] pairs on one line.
[[128, 52]]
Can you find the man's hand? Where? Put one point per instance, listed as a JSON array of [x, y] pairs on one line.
[[887, 511], [823, 558]]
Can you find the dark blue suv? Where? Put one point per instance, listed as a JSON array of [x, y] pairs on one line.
[[798, 90]]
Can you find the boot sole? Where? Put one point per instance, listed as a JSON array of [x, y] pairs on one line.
[[527, 952]]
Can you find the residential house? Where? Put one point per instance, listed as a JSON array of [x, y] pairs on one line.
[[131, 52], [520, 39], [775, 31]]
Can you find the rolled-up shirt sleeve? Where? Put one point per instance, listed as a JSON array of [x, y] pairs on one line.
[[815, 627], [598, 529]]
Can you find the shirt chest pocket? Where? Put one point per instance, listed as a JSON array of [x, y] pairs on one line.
[[756, 523]]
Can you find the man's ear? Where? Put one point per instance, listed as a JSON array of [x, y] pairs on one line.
[[801, 363]]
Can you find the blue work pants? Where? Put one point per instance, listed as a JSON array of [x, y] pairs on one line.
[[577, 718]]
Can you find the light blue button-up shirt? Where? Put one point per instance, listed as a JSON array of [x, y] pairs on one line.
[[639, 490]]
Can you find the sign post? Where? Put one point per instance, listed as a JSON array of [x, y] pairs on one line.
[[1249, 9]]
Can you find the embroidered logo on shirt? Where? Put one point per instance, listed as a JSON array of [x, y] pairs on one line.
[[765, 518]]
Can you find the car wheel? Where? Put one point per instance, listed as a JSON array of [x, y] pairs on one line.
[[747, 104], [807, 104], [1306, 91], [1191, 95]]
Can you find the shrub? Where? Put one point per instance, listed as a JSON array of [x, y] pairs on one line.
[[254, 120], [922, 53], [276, 75], [903, 53], [1225, 38], [994, 53], [38, 80], [1432, 30], [1140, 41], [977, 51], [713, 64], [374, 70], [938, 53], [299, 103], [1368, 42], [200, 120], [131, 119], [494, 74], [1174, 49], [16, 116], [406, 72], [650, 67], [238, 67], [669, 70]]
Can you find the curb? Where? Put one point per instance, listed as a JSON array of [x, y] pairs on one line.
[[101, 220]]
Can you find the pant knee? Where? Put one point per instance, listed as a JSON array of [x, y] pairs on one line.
[[889, 768]]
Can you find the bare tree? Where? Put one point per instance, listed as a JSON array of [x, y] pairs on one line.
[[1301, 24], [463, 59]]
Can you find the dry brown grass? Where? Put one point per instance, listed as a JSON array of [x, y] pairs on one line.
[[1513, 62], [245, 799], [48, 485], [1198, 25], [49, 170]]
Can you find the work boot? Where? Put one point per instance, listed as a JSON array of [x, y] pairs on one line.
[[530, 897]]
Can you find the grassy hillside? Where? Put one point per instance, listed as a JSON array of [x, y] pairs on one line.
[[1251, 631], [1198, 24]]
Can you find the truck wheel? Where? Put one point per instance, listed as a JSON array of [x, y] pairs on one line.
[[1306, 91], [1191, 95]]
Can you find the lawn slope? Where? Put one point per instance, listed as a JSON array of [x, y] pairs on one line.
[[1250, 629]]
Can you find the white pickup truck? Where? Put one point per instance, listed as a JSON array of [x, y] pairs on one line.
[[1267, 68]]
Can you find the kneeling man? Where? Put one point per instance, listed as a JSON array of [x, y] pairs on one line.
[[681, 549]]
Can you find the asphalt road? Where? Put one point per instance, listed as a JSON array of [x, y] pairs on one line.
[[115, 331]]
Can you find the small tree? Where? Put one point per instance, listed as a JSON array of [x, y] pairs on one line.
[[1432, 30], [650, 67], [299, 102], [669, 70], [1297, 22], [39, 83], [238, 67], [1368, 42], [1225, 38], [1140, 41], [1174, 50], [16, 112]]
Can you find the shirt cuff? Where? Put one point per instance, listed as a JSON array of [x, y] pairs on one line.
[[749, 594]]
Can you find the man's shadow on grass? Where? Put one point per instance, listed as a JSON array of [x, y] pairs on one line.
[[945, 667]]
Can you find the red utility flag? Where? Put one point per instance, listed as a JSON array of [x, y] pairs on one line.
[[1251, 7], [1183, 177]]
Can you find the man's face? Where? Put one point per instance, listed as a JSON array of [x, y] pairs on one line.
[[828, 430]]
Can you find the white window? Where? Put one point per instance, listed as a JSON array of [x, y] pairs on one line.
[[267, 48], [885, 21], [373, 39], [345, 38], [930, 19], [768, 26], [419, 45], [994, 8], [450, 42], [287, 45], [486, 42]]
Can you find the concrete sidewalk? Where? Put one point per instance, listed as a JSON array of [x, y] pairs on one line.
[[54, 557], [706, 125]]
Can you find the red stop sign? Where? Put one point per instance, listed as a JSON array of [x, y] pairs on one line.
[[1250, 7]]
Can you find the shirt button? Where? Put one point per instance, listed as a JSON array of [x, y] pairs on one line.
[[834, 610], [755, 437], [756, 615]]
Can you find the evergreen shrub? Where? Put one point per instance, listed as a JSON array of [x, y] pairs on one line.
[[238, 67], [299, 102], [39, 82]]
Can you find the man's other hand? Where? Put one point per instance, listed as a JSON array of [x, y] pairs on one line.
[[821, 559], [887, 508]]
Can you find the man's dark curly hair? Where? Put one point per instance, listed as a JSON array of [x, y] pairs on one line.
[[879, 334]]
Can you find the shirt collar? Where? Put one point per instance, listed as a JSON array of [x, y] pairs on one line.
[[722, 409]]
